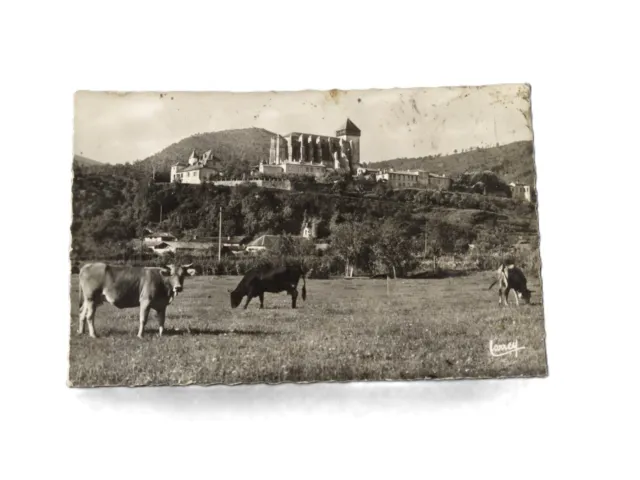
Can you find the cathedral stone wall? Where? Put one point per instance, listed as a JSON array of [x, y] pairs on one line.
[[341, 152]]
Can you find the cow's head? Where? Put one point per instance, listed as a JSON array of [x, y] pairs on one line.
[[526, 295], [176, 274], [236, 298]]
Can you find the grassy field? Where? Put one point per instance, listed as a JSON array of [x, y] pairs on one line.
[[346, 330]]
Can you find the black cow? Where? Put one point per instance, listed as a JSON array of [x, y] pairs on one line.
[[258, 281], [510, 277]]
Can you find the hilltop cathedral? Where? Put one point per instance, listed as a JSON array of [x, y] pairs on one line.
[[308, 153], [294, 153]]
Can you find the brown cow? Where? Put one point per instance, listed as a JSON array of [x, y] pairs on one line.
[[128, 287]]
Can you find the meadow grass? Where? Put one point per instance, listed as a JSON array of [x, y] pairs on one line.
[[346, 330]]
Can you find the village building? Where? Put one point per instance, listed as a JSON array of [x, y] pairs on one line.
[[234, 243], [520, 191], [153, 238], [398, 178], [413, 179], [270, 243], [363, 171], [309, 231], [198, 169], [263, 243], [434, 181], [299, 153], [176, 247]]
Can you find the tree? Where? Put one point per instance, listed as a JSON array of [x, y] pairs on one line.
[[351, 242], [381, 189], [394, 248], [440, 239], [289, 246]]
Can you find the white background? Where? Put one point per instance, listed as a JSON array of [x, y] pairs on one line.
[[581, 421]]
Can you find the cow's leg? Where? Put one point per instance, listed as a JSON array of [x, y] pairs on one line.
[[161, 315], [517, 299], [506, 296], [294, 297], [81, 318], [500, 296], [144, 314], [90, 313], [261, 299], [249, 297]]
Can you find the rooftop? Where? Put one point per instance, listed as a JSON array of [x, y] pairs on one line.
[[197, 167], [296, 134], [348, 128], [185, 245], [228, 240], [159, 234], [270, 241], [345, 128], [267, 241]]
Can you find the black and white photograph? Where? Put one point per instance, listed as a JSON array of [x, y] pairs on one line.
[[319, 240], [305, 236]]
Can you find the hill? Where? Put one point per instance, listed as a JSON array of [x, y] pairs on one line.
[[235, 148], [513, 162], [85, 162]]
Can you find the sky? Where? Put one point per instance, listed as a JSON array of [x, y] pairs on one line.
[[116, 127]]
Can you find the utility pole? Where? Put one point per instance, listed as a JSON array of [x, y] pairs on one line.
[[220, 236], [425, 239], [161, 213]]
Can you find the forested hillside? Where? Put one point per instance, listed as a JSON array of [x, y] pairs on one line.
[[111, 208], [514, 162], [84, 161]]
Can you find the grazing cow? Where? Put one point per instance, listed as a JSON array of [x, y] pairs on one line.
[[128, 287], [510, 277], [258, 281]]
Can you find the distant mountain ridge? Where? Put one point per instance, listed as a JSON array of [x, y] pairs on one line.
[[514, 162], [84, 161]]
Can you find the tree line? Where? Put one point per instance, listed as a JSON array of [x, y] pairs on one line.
[[380, 231]]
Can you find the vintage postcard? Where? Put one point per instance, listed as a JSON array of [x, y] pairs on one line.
[[311, 236]]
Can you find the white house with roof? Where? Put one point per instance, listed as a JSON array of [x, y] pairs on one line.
[[198, 169], [520, 191], [262, 243], [270, 243], [413, 179], [398, 178], [154, 238], [194, 248]]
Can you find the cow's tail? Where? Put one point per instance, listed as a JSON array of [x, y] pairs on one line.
[[495, 281], [304, 286]]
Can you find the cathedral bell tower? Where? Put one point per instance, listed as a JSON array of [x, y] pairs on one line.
[[351, 134]]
